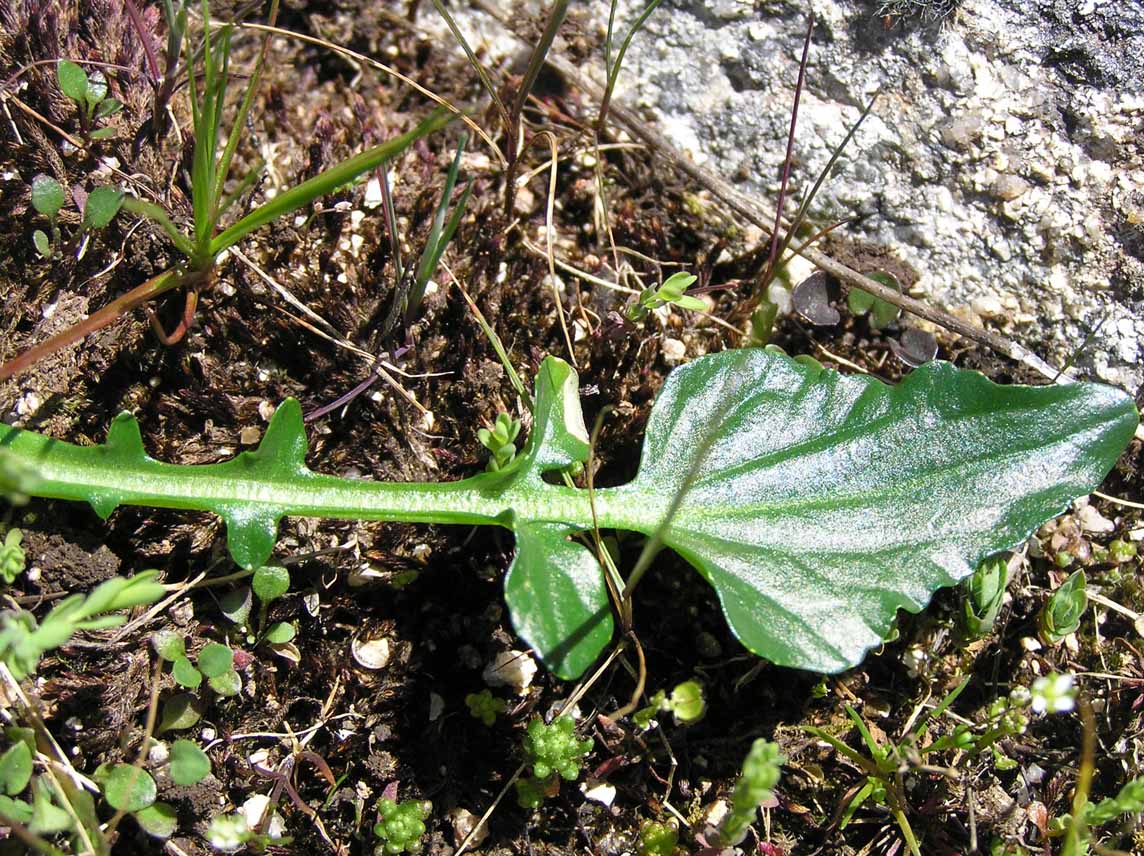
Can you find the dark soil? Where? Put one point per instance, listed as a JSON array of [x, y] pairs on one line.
[[435, 592]]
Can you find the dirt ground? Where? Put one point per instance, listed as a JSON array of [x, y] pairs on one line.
[[435, 591]]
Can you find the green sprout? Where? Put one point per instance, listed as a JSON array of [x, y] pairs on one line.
[[189, 764], [501, 441], [1120, 551], [401, 826], [215, 663], [1062, 612], [23, 641], [11, 556], [554, 748], [485, 706], [761, 770], [671, 292], [89, 92], [882, 313], [984, 592], [99, 209], [530, 793], [686, 702]]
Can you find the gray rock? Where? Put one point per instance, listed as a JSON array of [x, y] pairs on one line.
[[1004, 159]]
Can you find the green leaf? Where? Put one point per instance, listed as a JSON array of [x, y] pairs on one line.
[[102, 134], [101, 207], [185, 674], [128, 788], [557, 599], [16, 810], [96, 89], [47, 817], [280, 633], [159, 820], [270, 583], [169, 645], [72, 80], [15, 768], [42, 244], [180, 711], [215, 659], [189, 764], [227, 684], [47, 195], [108, 108], [236, 605], [818, 505]]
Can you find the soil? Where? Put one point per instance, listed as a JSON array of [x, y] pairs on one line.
[[434, 592]]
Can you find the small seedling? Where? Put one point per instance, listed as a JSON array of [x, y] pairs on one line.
[[984, 593], [1062, 612], [500, 441], [189, 764], [882, 313], [1120, 551], [658, 839], [271, 582], [402, 826], [23, 641], [761, 770], [11, 556], [215, 663], [671, 292], [485, 706], [89, 92], [555, 749], [531, 793], [686, 702], [47, 199]]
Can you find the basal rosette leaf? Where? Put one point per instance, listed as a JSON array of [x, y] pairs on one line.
[[817, 505]]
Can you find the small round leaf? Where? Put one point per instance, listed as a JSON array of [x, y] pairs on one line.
[[169, 645], [271, 582], [235, 605], [41, 243], [215, 659], [101, 207], [185, 674], [280, 633], [226, 684], [129, 788], [189, 764], [15, 768], [179, 712], [47, 195], [158, 820]]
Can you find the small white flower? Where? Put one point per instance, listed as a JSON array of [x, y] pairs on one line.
[[1054, 693], [228, 832]]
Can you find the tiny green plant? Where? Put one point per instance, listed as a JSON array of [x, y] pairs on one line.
[[1063, 611], [984, 593], [11, 556], [965, 468], [47, 199], [1121, 551], [658, 838], [686, 702], [271, 582], [485, 706], [402, 826], [89, 92], [671, 292], [500, 440], [215, 663], [99, 209], [882, 313], [761, 770], [24, 641], [555, 749]]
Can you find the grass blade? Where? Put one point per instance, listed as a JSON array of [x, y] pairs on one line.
[[326, 182]]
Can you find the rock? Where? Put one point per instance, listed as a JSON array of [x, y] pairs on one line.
[[1001, 158]]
